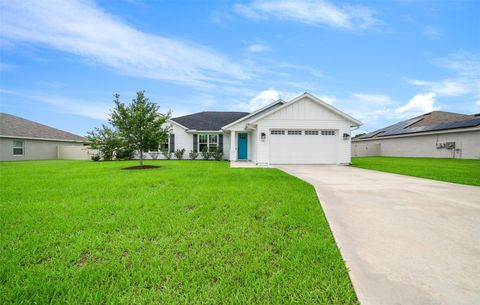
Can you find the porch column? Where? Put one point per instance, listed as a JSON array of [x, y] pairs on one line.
[[233, 146]]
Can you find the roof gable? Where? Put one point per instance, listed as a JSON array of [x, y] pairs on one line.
[[317, 101], [208, 120], [17, 127], [256, 113]]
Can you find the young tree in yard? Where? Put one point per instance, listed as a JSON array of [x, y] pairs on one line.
[[106, 140], [139, 124]]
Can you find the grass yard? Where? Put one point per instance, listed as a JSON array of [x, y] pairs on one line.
[[191, 232], [449, 170]]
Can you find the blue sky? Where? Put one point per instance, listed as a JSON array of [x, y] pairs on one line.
[[378, 61]]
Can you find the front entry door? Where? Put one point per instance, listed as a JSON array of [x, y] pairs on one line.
[[242, 146]]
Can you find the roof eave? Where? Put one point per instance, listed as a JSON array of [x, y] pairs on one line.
[[44, 139]]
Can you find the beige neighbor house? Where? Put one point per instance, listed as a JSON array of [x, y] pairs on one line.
[[437, 134], [22, 139]]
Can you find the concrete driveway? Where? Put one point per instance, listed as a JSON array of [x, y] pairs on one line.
[[406, 240]]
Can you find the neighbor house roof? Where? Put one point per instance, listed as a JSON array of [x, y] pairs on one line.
[[16, 127], [428, 122], [209, 120]]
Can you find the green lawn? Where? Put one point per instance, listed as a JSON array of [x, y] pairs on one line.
[[450, 170], [192, 232]]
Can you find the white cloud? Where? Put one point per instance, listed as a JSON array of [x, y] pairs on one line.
[[312, 12], [84, 29], [98, 111], [370, 98], [328, 99], [446, 87], [431, 32], [420, 103], [4, 67], [261, 100], [465, 80], [257, 47]]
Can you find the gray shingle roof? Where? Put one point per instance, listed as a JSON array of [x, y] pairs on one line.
[[432, 121], [209, 120], [14, 126]]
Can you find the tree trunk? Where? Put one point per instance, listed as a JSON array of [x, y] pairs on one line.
[[141, 157]]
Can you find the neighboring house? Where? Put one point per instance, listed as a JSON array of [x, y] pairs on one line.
[[21, 139], [305, 130], [437, 134]]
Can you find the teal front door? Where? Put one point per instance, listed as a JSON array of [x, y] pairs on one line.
[[242, 146]]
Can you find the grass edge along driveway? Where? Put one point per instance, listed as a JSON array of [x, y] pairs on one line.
[[191, 232], [460, 171]]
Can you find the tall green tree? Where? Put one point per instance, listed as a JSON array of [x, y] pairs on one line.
[[140, 124]]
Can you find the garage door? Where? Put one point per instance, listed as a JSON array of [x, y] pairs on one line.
[[303, 146]]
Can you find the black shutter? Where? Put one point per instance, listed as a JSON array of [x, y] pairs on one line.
[[195, 141], [220, 142], [172, 143]]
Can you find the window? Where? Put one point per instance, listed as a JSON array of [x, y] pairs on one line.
[[311, 132], [208, 142], [165, 145], [18, 148], [328, 132], [294, 132], [277, 132]]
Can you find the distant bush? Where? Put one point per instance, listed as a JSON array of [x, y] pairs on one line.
[[96, 158], [154, 155], [206, 155], [218, 155], [167, 154], [124, 154], [179, 153], [193, 155]]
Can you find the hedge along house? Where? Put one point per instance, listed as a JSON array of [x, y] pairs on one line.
[[22, 139], [436, 134], [305, 130]]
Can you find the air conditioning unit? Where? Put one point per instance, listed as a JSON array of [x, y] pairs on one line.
[[450, 145]]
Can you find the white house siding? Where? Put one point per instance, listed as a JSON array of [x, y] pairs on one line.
[[226, 146], [304, 115], [468, 144], [33, 149], [185, 140]]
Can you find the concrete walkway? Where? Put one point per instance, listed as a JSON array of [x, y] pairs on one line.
[[406, 240]]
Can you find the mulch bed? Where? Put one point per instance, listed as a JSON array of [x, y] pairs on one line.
[[137, 167]]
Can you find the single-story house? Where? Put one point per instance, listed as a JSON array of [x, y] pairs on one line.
[[22, 139], [436, 134], [305, 130]]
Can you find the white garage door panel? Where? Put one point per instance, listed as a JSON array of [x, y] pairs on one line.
[[303, 149]]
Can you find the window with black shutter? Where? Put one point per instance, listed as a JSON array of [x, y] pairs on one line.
[[172, 143], [195, 143], [220, 142]]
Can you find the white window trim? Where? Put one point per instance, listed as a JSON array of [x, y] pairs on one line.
[[328, 132], [22, 147], [159, 150], [208, 141], [277, 132], [311, 132], [294, 132]]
